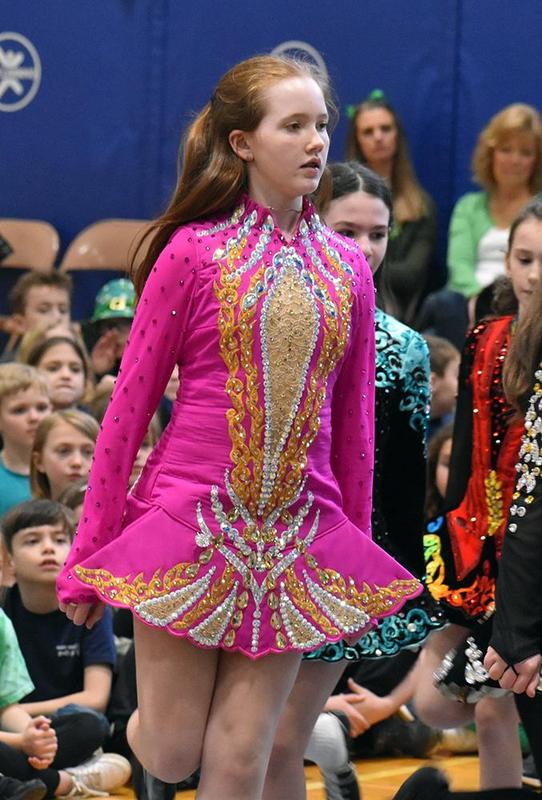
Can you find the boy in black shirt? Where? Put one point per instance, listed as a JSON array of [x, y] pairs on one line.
[[70, 666]]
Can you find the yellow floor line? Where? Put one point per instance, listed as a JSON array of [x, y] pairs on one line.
[[394, 771]]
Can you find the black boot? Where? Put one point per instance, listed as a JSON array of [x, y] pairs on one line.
[[12, 789], [155, 789], [429, 783]]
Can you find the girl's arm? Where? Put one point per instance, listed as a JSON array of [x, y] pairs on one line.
[[462, 249], [517, 624], [153, 349], [403, 491], [352, 413], [35, 737], [95, 693]]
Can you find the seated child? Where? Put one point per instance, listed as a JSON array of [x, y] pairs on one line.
[[62, 452], [444, 358], [65, 363], [37, 300], [24, 402], [70, 666], [109, 327]]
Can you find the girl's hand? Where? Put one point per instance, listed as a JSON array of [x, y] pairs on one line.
[[358, 723], [373, 707], [105, 352], [83, 613], [518, 678]]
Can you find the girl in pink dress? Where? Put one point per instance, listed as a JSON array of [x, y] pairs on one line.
[[246, 540]]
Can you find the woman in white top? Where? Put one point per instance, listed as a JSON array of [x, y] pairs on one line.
[[507, 163]]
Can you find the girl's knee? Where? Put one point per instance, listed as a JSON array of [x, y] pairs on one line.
[[495, 715], [169, 764], [169, 756], [284, 750]]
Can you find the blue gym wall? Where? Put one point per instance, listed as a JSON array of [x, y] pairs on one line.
[[120, 78]]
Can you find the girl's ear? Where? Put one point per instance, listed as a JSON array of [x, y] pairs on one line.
[[507, 263], [239, 144], [37, 461]]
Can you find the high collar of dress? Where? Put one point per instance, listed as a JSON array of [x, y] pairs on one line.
[[265, 216]]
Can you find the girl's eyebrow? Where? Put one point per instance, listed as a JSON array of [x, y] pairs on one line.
[[303, 115]]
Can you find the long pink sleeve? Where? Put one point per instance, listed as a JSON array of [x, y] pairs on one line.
[[152, 351], [352, 413]]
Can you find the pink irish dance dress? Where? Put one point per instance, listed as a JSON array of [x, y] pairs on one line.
[[249, 528]]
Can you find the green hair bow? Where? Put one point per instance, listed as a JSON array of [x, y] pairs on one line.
[[375, 94]]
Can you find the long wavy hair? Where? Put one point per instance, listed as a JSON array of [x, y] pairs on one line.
[[212, 176], [526, 348], [410, 201]]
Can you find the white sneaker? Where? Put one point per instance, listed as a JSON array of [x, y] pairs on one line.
[[99, 775]]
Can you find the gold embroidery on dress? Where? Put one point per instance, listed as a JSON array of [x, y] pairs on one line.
[[289, 330], [495, 515], [258, 535], [434, 566], [375, 603], [211, 630]]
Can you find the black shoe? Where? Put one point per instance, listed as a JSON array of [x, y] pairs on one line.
[[189, 783], [155, 789], [12, 789], [530, 775], [341, 785], [427, 783], [396, 737]]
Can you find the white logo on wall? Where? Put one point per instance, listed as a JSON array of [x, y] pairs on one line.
[[301, 50], [20, 71]]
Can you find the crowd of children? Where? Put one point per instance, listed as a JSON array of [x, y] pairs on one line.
[[56, 678]]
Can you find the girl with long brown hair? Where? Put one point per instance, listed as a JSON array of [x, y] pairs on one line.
[[376, 138], [243, 543], [466, 553], [515, 655]]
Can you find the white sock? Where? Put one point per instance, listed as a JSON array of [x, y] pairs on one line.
[[327, 745]]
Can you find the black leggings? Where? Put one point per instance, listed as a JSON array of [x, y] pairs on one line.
[[78, 734]]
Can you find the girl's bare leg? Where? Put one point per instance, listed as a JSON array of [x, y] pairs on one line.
[[248, 699], [432, 707], [175, 684], [498, 743], [285, 779]]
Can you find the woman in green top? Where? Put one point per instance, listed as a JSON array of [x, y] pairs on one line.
[[507, 164]]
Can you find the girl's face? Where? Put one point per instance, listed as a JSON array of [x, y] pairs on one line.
[[141, 459], [65, 457], [365, 219], [376, 134], [443, 467], [66, 374], [20, 415], [514, 159], [287, 152], [524, 261]]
